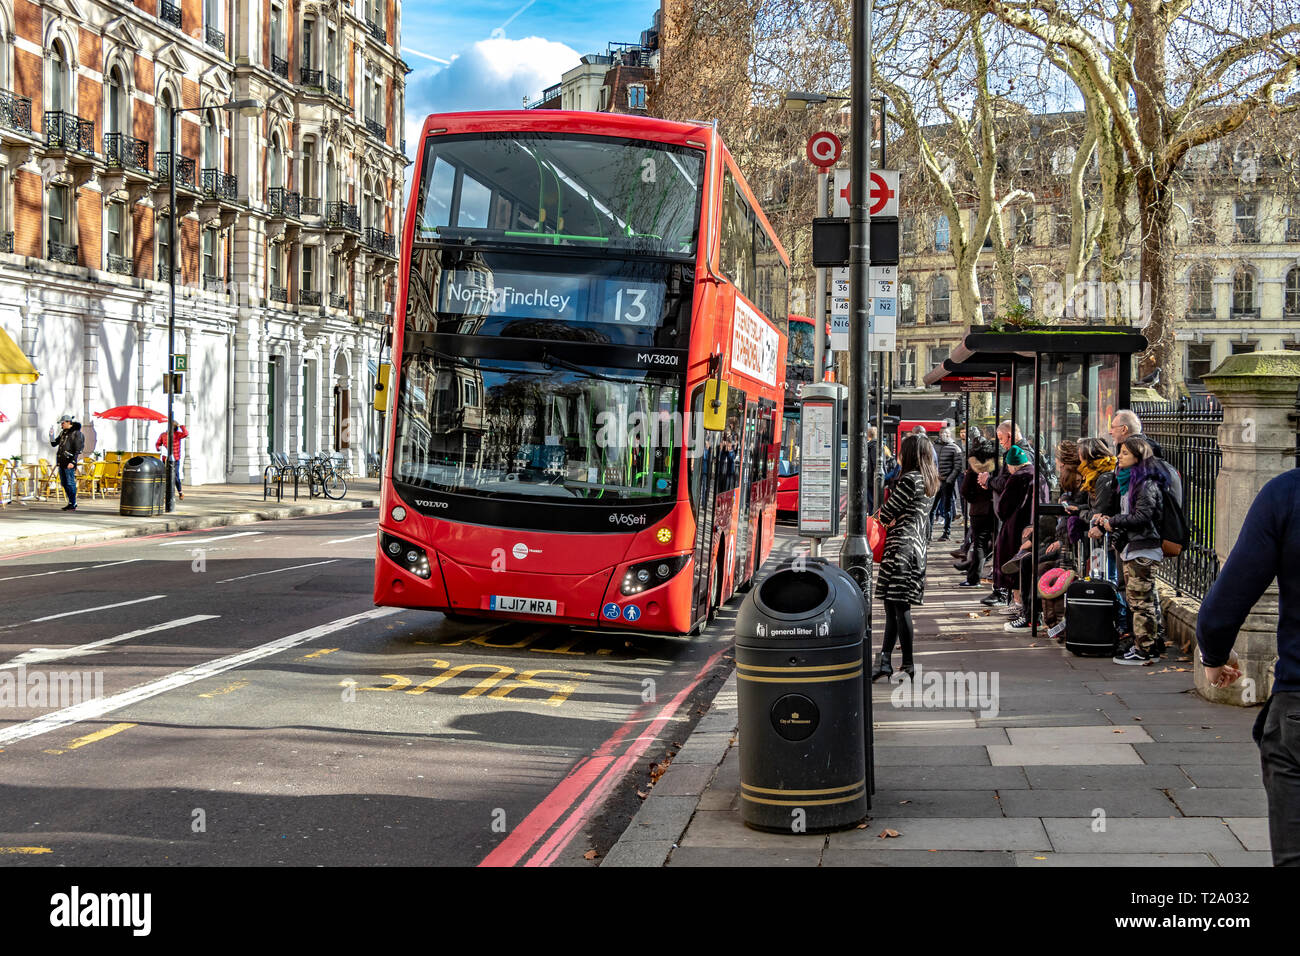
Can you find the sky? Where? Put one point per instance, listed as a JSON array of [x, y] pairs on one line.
[[490, 54]]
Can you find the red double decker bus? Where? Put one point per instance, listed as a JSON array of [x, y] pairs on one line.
[[799, 360], [573, 283]]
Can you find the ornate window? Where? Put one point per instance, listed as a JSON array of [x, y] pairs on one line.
[[1200, 291], [940, 301], [1243, 292], [1291, 298]]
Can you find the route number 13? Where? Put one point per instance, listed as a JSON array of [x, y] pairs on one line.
[[636, 311]]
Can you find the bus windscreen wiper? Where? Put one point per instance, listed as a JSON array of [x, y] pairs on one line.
[[466, 363], [549, 359]]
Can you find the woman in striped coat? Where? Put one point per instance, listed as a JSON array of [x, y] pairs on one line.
[[901, 582]]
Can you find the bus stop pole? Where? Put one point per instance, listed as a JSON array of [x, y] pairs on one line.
[[855, 555], [819, 327], [1031, 599]]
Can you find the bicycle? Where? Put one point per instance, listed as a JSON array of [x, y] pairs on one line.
[[322, 474]]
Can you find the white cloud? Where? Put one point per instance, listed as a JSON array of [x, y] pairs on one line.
[[493, 74]]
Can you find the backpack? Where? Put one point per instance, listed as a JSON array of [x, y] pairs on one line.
[[1173, 526]]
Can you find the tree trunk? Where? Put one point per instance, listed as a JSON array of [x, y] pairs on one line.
[[1156, 205]]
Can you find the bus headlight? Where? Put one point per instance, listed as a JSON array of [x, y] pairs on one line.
[[649, 574], [398, 513], [411, 557]]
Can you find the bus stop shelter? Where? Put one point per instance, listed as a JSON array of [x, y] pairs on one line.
[[1055, 383]]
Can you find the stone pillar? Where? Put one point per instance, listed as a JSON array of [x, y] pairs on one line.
[[1258, 392]]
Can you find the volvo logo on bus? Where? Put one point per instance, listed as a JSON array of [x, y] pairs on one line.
[[627, 519], [430, 504]]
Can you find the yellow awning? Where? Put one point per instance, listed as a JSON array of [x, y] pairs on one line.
[[15, 369]]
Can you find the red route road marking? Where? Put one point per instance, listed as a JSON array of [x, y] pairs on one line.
[[599, 772]]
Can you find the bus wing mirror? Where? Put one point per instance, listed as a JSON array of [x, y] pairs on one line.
[[381, 387], [715, 405]]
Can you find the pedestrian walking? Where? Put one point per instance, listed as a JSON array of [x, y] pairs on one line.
[[1268, 545], [1141, 487], [68, 441], [178, 432], [949, 463], [901, 581]]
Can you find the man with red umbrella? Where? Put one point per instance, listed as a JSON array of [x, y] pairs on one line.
[[69, 443], [178, 432]]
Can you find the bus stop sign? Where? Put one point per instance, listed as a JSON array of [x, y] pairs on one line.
[[824, 149]]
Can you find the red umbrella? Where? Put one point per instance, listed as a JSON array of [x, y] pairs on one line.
[[124, 412], [3, 417]]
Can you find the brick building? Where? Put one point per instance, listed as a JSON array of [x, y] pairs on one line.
[[285, 258]]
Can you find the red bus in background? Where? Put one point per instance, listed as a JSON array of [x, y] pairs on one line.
[[571, 281], [800, 356]]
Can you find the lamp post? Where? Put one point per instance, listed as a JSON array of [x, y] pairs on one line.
[[244, 108]]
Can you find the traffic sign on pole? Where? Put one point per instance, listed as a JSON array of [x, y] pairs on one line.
[[883, 195], [824, 149]]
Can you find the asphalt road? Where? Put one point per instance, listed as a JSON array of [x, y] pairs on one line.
[[232, 696]]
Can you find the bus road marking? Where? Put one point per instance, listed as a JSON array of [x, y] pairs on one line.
[[228, 689], [296, 567], [321, 653], [526, 644], [560, 690], [43, 655], [91, 709], [356, 538], [92, 737], [87, 610], [32, 850]]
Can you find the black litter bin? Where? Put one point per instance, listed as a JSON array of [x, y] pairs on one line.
[[799, 665], [142, 487]]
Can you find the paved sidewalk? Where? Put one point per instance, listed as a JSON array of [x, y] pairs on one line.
[[39, 525], [1086, 763]]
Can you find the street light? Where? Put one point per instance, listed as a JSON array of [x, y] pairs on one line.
[[250, 107], [797, 101]]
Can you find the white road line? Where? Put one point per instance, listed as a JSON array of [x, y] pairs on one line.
[[220, 537], [88, 610], [88, 567], [93, 709], [346, 540], [41, 655], [296, 567]]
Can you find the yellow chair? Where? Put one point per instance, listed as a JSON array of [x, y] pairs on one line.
[[90, 481], [48, 478], [111, 481], [7, 483]]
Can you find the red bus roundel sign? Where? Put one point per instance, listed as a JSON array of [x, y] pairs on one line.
[[824, 149]]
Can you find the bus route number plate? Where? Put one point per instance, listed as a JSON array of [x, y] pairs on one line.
[[522, 605]]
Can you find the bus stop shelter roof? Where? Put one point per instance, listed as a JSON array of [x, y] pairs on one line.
[[983, 351]]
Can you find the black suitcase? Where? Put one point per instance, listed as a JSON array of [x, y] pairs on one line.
[[1092, 611]]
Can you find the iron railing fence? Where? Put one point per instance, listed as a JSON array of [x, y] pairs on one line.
[[1188, 434]]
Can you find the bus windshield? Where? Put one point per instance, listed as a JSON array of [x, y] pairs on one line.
[[534, 430], [799, 355], [596, 192]]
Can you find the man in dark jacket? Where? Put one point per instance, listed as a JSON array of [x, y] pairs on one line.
[[69, 442], [950, 472], [983, 522], [1267, 548]]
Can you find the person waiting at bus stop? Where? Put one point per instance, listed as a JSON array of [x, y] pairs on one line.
[[901, 581]]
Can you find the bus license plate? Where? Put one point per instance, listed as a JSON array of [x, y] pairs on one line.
[[523, 605]]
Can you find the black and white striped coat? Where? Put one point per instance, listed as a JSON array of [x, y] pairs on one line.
[[902, 570]]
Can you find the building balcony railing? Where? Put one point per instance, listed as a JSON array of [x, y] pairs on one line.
[[376, 316], [122, 265], [279, 294], [333, 84], [218, 185], [1293, 230], [169, 13], [338, 301], [548, 95], [213, 283], [376, 129], [15, 112], [310, 77], [126, 152], [376, 31], [342, 215], [283, 202], [280, 66], [379, 240], [309, 297], [7, 241], [62, 252], [1250, 234], [68, 131], [162, 271], [311, 205], [216, 39], [184, 169]]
